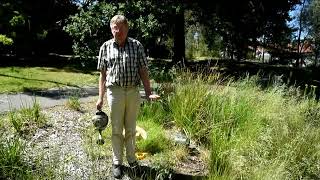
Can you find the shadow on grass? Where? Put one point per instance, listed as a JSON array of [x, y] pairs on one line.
[[61, 93], [40, 80], [64, 93], [68, 63], [145, 172]]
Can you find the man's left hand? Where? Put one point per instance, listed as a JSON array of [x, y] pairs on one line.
[[153, 97]]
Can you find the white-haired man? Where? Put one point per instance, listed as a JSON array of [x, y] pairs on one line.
[[123, 65]]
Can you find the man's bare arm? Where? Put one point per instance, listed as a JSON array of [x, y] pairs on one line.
[[102, 88], [144, 75]]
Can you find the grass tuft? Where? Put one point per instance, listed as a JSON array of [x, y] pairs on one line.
[[27, 119], [74, 103], [12, 165]]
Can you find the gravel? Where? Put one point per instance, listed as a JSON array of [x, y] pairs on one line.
[[61, 148]]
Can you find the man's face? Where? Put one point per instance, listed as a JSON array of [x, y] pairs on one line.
[[119, 32]]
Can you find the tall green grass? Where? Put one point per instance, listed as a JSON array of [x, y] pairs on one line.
[[252, 133], [12, 165]]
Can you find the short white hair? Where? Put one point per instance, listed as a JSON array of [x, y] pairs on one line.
[[119, 19]]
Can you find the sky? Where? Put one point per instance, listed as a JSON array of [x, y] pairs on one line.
[[295, 23]]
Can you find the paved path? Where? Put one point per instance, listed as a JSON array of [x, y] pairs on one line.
[[47, 98]]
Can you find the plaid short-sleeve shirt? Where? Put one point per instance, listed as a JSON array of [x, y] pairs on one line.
[[122, 63]]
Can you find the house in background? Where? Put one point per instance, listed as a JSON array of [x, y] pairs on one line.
[[285, 55]]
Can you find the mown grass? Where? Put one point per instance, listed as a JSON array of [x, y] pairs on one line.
[[18, 79]]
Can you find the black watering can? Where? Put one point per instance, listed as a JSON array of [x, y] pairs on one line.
[[100, 122]]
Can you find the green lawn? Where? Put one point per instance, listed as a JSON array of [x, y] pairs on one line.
[[18, 79]]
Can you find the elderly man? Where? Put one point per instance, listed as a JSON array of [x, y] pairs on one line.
[[122, 64]]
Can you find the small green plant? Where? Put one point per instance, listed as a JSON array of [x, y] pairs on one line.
[[162, 74], [154, 111], [74, 103], [189, 105]]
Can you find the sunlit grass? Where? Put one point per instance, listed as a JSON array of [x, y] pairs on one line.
[[18, 79], [252, 133]]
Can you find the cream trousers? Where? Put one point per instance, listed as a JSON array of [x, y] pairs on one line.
[[124, 104]]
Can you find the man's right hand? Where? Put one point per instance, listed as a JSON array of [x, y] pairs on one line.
[[99, 104]]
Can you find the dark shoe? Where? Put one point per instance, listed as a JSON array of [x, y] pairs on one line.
[[134, 168], [134, 164], [117, 171]]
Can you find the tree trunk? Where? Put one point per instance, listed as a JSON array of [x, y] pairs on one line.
[[299, 60], [179, 38], [316, 61]]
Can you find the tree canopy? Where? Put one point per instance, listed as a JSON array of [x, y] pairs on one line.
[[33, 26], [29, 22]]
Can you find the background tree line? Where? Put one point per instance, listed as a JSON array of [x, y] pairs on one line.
[[166, 28]]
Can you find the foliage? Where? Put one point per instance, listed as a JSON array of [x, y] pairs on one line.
[[26, 21], [188, 105], [36, 26], [313, 22], [156, 141], [197, 46], [5, 40], [241, 24], [90, 27], [161, 73]]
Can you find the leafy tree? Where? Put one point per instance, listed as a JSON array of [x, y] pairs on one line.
[[148, 22], [242, 22], [314, 25], [29, 22]]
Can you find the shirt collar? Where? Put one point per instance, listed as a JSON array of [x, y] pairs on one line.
[[115, 42]]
